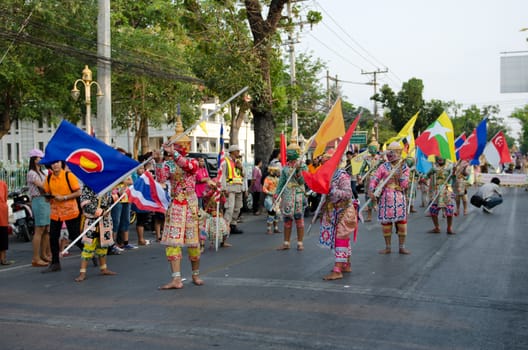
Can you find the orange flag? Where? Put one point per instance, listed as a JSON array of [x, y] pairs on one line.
[[332, 128]]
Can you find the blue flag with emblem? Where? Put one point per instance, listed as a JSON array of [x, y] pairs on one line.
[[96, 164]]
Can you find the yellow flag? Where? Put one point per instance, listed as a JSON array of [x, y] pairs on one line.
[[332, 127], [203, 127], [357, 162], [405, 137]]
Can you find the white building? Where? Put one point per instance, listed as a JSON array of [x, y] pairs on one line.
[[26, 135]]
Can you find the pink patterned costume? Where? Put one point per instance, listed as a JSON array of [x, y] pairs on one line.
[[392, 203], [181, 220], [339, 218]]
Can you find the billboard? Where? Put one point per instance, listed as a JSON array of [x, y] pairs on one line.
[[514, 73]]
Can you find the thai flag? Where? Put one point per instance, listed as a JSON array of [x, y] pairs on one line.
[[221, 160], [148, 195]]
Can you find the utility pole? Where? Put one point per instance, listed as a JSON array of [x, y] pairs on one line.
[[104, 74], [375, 84], [328, 95], [293, 79]]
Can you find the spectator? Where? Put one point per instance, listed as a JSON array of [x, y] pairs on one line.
[[40, 206], [255, 185], [64, 188], [490, 194], [121, 216], [4, 222]]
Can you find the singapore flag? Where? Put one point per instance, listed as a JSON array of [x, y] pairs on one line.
[[497, 152]]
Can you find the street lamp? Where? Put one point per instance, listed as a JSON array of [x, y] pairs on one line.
[[87, 83]]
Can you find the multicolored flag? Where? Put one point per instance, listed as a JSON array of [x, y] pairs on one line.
[[438, 139], [332, 128], [148, 195], [96, 164], [475, 143], [497, 152], [319, 181]]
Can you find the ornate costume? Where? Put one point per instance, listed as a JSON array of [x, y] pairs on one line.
[[393, 175], [338, 222], [293, 199], [181, 219], [370, 163], [441, 194]]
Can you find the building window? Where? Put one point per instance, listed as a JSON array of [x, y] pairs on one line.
[[9, 152], [41, 145]]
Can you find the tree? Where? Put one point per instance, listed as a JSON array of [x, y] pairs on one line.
[[39, 65], [521, 114]]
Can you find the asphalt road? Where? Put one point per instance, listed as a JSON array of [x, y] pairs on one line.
[[466, 291]]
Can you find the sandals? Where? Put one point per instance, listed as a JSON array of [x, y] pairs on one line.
[[284, 246], [7, 262]]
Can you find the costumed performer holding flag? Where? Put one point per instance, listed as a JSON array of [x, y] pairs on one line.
[[389, 182], [339, 210], [181, 220]]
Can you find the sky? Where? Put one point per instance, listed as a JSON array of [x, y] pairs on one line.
[[453, 46]]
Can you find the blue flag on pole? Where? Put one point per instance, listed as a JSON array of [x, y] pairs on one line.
[[422, 164], [96, 164]]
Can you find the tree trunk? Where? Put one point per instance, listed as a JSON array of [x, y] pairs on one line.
[[5, 119], [264, 134]]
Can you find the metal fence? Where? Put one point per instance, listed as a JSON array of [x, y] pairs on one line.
[[14, 178]]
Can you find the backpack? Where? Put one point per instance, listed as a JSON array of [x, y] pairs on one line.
[[78, 199]]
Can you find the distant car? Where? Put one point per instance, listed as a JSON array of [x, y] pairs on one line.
[[211, 162]]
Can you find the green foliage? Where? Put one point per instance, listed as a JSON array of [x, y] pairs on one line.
[[521, 114]]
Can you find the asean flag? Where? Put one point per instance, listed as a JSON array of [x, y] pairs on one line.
[[96, 164]]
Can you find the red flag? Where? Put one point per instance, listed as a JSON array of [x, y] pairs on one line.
[[320, 180], [282, 149], [497, 152]]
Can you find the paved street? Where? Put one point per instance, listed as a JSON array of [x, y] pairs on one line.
[[467, 291]]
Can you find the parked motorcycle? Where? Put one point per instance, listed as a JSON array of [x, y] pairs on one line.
[[23, 227]]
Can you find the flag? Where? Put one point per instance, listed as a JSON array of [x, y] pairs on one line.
[[319, 181], [282, 149], [459, 141], [96, 164], [221, 161], [475, 143], [497, 152], [203, 126], [422, 164], [332, 128], [357, 162], [148, 195], [406, 137], [438, 139]]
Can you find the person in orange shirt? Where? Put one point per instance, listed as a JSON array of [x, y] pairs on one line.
[[4, 218], [64, 188], [269, 189]]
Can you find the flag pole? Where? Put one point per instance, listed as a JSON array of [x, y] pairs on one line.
[[92, 225]]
